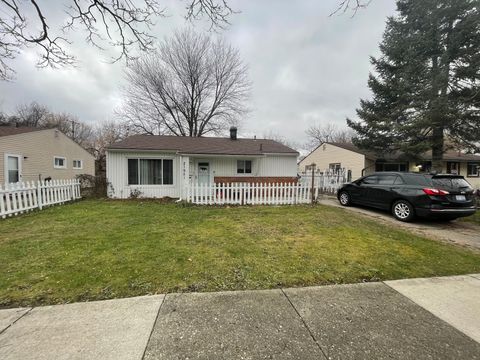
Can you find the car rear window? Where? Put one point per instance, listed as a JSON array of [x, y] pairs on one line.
[[451, 182], [420, 180]]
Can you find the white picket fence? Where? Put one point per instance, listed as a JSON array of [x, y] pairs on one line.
[[25, 196], [327, 181], [248, 194]]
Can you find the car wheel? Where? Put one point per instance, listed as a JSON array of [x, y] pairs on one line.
[[344, 198], [402, 210]]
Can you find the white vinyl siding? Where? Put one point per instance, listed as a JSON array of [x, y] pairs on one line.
[[226, 166], [117, 175], [38, 149], [326, 154], [264, 166]]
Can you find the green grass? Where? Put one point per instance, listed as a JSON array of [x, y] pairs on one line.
[[105, 249]]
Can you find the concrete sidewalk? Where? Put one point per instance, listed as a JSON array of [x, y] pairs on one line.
[[436, 318]]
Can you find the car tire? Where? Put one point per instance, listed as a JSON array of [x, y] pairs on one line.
[[402, 210], [344, 198]]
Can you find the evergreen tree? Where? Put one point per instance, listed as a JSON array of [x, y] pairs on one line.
[[427, 82]]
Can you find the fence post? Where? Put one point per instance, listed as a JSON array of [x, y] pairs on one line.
[[39, 195], [73, 189], [312, 166], [2, 204]]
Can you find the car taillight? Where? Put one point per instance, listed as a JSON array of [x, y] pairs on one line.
[[430, 191]]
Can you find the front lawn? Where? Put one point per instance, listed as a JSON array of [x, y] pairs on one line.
[[106, 249]]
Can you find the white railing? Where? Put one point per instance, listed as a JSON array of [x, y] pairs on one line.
[[249, 194], [326, 181], [26, 196]]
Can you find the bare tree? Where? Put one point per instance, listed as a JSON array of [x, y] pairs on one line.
[[33, 114], [106, 134], [318, 134], [80, 132], [193, 85], [122, 24], [40, 116], [352, 6], [281, 139]]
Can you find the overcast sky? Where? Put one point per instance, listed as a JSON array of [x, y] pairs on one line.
[[306, 67]]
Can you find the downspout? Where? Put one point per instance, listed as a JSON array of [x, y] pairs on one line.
[[368, 167]]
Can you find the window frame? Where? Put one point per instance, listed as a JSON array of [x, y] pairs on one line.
[[77, 167], [19, 170], [457, 167], [172, 159], [245, 173], [55, 166], [335, 166], [474, 163]]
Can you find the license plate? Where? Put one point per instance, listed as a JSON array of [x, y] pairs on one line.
[[460, 197]]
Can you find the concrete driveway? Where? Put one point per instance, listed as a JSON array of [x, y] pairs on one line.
[[437, 318], [456, 232]]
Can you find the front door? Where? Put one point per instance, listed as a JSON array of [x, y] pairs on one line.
[[203, 173], [13, 169]]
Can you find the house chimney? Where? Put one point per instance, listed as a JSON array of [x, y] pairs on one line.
[[233, 133]]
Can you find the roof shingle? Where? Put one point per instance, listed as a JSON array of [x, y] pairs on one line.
[[449, 155], [11, 130], [203, 145]]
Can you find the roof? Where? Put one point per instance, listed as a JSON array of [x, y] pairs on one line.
[[354, 148], [203, 145], [449, 155], [11, 130]]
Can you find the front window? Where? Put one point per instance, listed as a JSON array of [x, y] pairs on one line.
[[77, 164], [244, 166], [473, 169], [150, 172], [59, 162]]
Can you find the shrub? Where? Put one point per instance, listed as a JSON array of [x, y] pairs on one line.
[[93, 186]]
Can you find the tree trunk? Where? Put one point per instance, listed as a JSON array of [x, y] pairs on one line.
[[437, 149]]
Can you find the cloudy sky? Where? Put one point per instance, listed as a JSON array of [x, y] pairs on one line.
[[306, 67]]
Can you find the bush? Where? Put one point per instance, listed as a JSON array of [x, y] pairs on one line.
[[93, 186]]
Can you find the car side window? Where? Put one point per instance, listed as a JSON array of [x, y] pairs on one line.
[[370, 180], [398, 181], [386, 179]]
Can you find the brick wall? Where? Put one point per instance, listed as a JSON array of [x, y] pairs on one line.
[[255, 179]]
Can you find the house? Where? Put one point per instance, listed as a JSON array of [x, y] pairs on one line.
[[28, 154], [164, 166], [336, 155]]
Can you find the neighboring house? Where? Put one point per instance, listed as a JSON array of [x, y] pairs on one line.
[[360, 162], [28, 154], [164, 166]]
